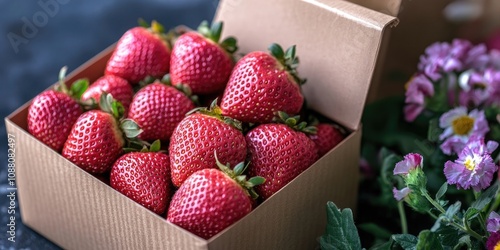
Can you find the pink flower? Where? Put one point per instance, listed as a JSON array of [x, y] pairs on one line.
[[474, 167], [493, 241], [399, 195], [443, 58], [480, 87], [459, 126], [411, 161], [493, 222], [419, 87]]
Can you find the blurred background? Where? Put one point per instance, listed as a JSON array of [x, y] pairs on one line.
[[39, 37]]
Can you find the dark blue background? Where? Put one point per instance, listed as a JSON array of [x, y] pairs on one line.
[[72, 33]]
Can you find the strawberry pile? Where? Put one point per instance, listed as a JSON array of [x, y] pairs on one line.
[[141, 128]]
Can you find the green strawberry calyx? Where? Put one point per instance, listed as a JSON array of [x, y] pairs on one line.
[[294, 122], [215, 111], [237, 175], [288, 59], [184, 88], [213, 33], [158, 29], [129, 127], [76, 89]]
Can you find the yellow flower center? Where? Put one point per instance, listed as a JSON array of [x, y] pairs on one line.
[[497, 246], [462, 125], [469, 164]]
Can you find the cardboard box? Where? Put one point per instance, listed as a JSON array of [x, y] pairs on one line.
[[338, 43]]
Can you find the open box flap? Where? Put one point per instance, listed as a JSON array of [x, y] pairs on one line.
[[337, 42], [389, 7]]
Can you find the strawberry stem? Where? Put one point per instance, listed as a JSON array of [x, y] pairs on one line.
[[293, 122], [215, 111], [237, 175], [288, 60], [214, 34]]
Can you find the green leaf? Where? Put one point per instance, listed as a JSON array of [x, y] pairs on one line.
[[156, 146], [290, 53], [376, 230], [257, 180], [486, 197], [449, 236], [442, 190], [216, 31], [130, 128], [341, 233], [384, 246], [434, 130], [230, 44], [388, 164], [277, 51], [406, 241], [463, 241], [143, 23], [428, 240], [79, 87], [471, 213], [453, 210]]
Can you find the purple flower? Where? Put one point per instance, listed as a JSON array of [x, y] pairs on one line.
[[493, 241], [442, 58], [474, 167], [493, 222], [459, 127], [399, 195], [494, 59], [411, 161], [418, 88], [479, 87], [476, 57]]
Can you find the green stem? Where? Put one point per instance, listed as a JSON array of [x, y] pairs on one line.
[[468, 230], [495, 205], [402, 216], [432, 201], [464, 228]]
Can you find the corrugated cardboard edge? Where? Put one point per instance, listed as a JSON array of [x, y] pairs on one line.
[[339, 66]]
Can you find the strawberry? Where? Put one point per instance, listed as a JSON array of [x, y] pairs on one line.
[[262, 84], [200, 61], [197, 136], [210, 200], [140, 52], [144, 177], [279, 153], [327, 137], [118, 87], [158, 108], [53, 112], [97, 138]]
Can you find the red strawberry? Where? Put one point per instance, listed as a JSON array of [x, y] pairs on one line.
[[158, 108], [200, 61], [327, 137], [96, 140], [195, 139], [118, 87], [279, 153], [143, 177], [262, 84], [52, 113], [210, 200], [140, 52]]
